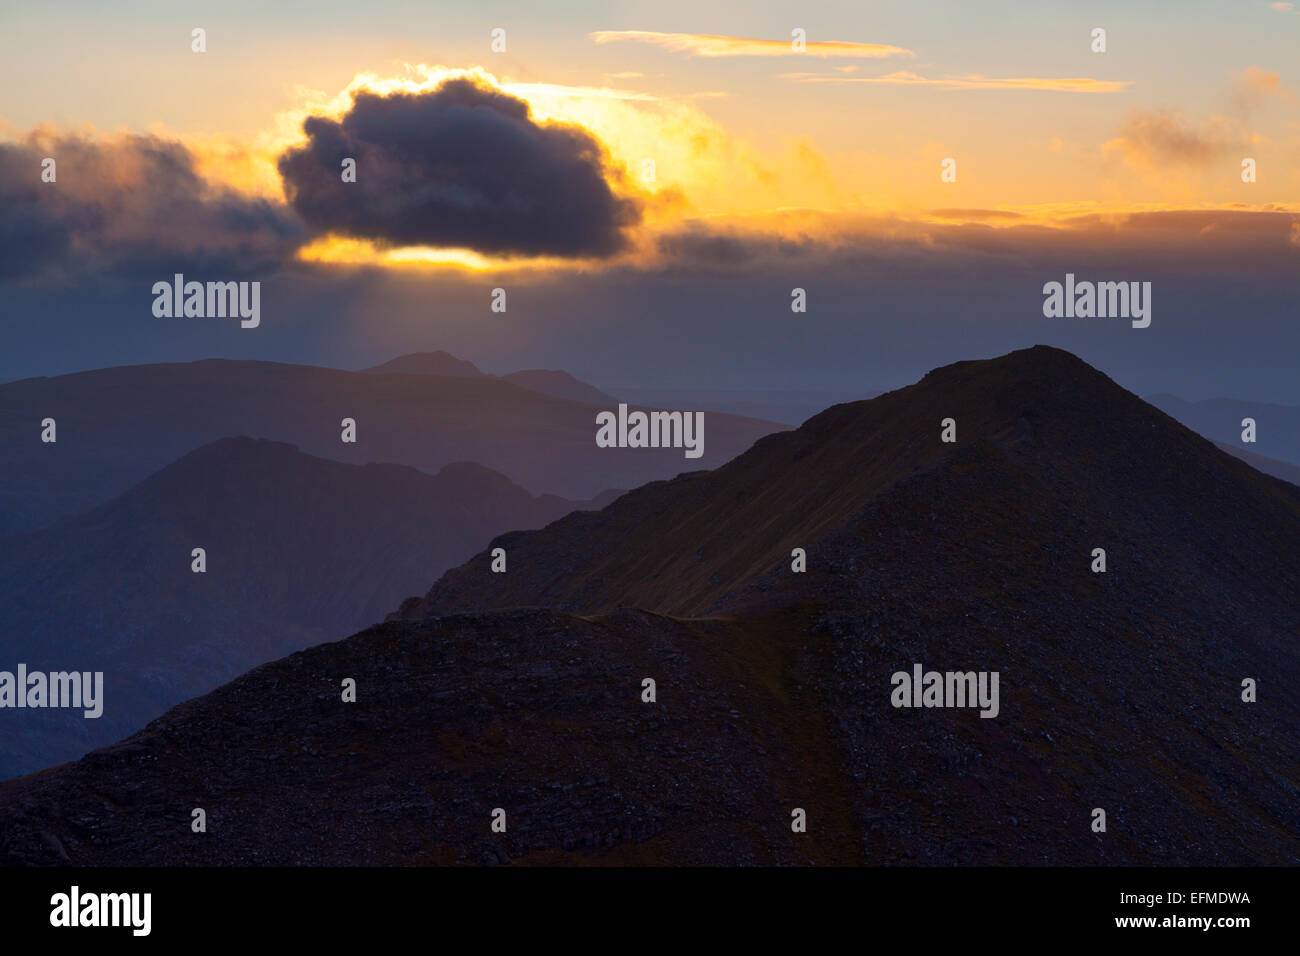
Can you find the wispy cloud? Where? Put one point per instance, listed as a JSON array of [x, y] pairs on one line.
[[1149, 138], [1152, 137], [703, 44], [973, 81], [1252, 86]]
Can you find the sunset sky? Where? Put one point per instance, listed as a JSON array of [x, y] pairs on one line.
[[530, 169]]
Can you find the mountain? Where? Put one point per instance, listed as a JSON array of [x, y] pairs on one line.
[[299, 550], [1277, 433], [117, 426], [429, 363], [562, 385], [522, 690]]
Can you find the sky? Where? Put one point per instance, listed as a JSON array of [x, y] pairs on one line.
[[649, 182]]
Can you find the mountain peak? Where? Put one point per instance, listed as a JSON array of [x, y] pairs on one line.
[[429, 363], [1034, 363]]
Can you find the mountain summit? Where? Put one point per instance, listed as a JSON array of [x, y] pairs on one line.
[[429, 363]]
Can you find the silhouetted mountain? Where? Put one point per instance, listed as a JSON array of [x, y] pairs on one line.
[[563, 385], [429, 363], [1277, 433], [298, 549], [117, 426], [1118, 690]]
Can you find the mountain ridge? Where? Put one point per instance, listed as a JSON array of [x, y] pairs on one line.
[[831, 465]]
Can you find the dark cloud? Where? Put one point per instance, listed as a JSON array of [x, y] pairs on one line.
[[129, 206], [705, 247], [461, 165], [1222, 242]]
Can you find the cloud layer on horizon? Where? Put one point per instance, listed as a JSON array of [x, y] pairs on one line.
[[464, 164]]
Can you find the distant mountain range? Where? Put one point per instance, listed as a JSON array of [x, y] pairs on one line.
[[524, 690], [95, 573], [298, 550], [787, 406], [554, 383], [119, 425]]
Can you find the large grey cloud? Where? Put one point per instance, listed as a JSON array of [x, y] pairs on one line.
[[129, 206], [461, 165]]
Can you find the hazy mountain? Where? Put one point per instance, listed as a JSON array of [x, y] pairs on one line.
[[548, 382], [563, 385], [298, 549], [116, 426], [1119, 690], [1277, 427], [429, 363], [786, 406]]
